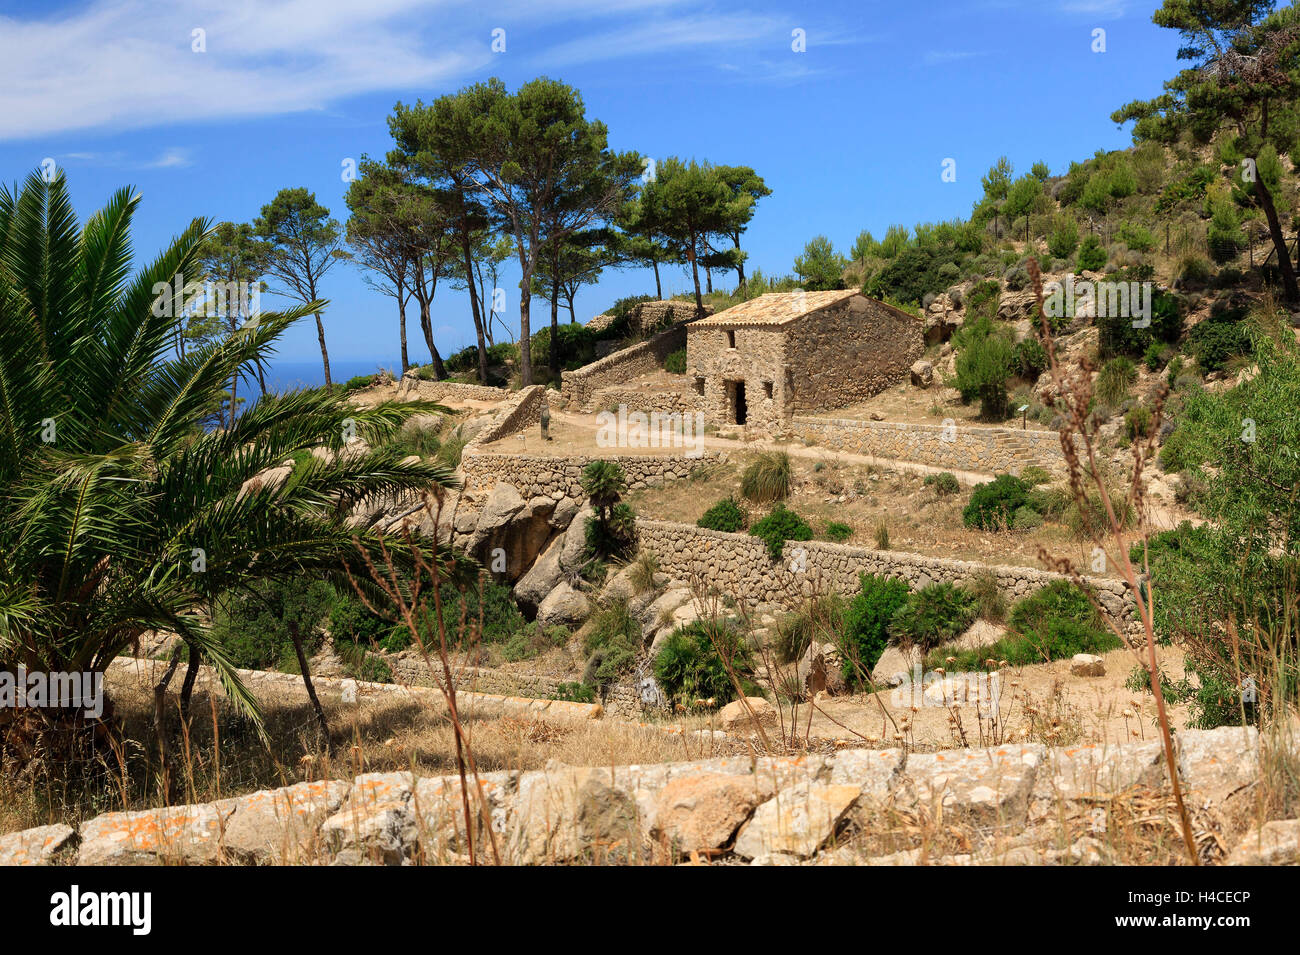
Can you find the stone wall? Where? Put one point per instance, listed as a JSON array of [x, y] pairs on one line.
[[646, 317], [523, 410], [579, 387], [850, 351], [409, 668], [739, 565], [958, 447], [415, 387], [773, 810], [537, 475], [663, 402], [758, 359]]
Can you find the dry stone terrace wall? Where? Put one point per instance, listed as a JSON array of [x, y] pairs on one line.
[[959, 447], [580, 386], [739, 565], [523, 410], [766, 809], [559, 477], [649, 402], [413, 386]]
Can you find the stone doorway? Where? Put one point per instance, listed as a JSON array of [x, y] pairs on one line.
[[736, 406]]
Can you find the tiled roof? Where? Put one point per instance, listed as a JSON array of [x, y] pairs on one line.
[[774, 308]]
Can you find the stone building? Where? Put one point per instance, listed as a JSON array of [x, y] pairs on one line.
[[785, 353]]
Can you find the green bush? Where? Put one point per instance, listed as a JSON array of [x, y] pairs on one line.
[[1114, 381], [1136, 237], [613, 532], [1033, 474], [1217, 340], [675, 362], [838, 531], [1030, 357], [866, 624], [612, 641], [531, 640], [1224, 235], [575, 693], [985, 360], [932, 616], [351, 620], [767, 477], [690, 664], [1064, 239], [1137, 422], [1092, 255], [943, 483], [992, 506], [988, 596], [726, 515], [358, 382], [1026, 519], [256, 627], [779, 526], [1059, 600]]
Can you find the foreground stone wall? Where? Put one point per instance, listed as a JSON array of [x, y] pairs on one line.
[[739, 565], [559, 477], [522, 410], [1009, 801], [579, 387], [959, 447]]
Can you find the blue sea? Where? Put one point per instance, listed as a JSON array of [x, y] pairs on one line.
[[288, 375]]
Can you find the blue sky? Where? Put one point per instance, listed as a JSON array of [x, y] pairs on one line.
[[849, 134]]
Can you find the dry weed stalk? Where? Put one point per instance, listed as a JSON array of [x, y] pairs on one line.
[[1079, 434], [408, 597]]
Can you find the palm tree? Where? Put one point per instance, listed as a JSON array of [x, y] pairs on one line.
[[119, 514]]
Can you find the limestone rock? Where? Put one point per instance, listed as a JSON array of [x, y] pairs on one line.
[[1217, 763], [701, 813], [1274, 843], [922, 373], [564, 605], [986, 787], [378, 824], [34, 846], [734, 717], [542, 577], [1087, 664], [566, 815], [796, 821], [895, 667], [821, 668], [279, 827], [575, 541], [190, 834]]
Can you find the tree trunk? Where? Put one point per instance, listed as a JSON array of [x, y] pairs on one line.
[[401, 324], [324, 352], [525, 331], [708, 280], [475, 310], [659, 292], [187, 685], [306, 679], [740, 264], [573, 318], [1284, 264], [695, 274], [555, 326]]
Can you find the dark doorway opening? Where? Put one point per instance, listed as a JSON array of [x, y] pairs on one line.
[[741, 410]]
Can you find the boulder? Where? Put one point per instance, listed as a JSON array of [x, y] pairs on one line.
[[821, 668], [735, 717], [895, 667], [797, 821], [701, 813], [1087, 664], [1274, 843], [378, 825], [278, 827], [185, 834], [564, 606], [34, 846], [508, 526], [542, 577], [922, 373], [566, 815], [575, 541]]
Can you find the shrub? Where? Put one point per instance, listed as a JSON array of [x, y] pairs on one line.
[[358, 382], [612, 641], [1113, 381], [575, 693], [1216, 340], [1224, 235], [1026, 519], [822, 619], [932, 616], [1059, 600], [1030, 357], [991, 604], [767, 477], [1064, 239], [1089, 519], [613, 531], [256, 628], [726, 515], [1092, 255], [351, 620], [1057, 639], [1136, 237], [838, 532], [690, 665], [1017, 278], [882, 536], [1137, 422], [866, 624], [531, 640], [943, 483], [675, 362], [985, 360], [779, 526], [1033, 474], [992, 506], [641, 572]]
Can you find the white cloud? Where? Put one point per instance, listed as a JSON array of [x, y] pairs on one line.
[[128, 63]]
